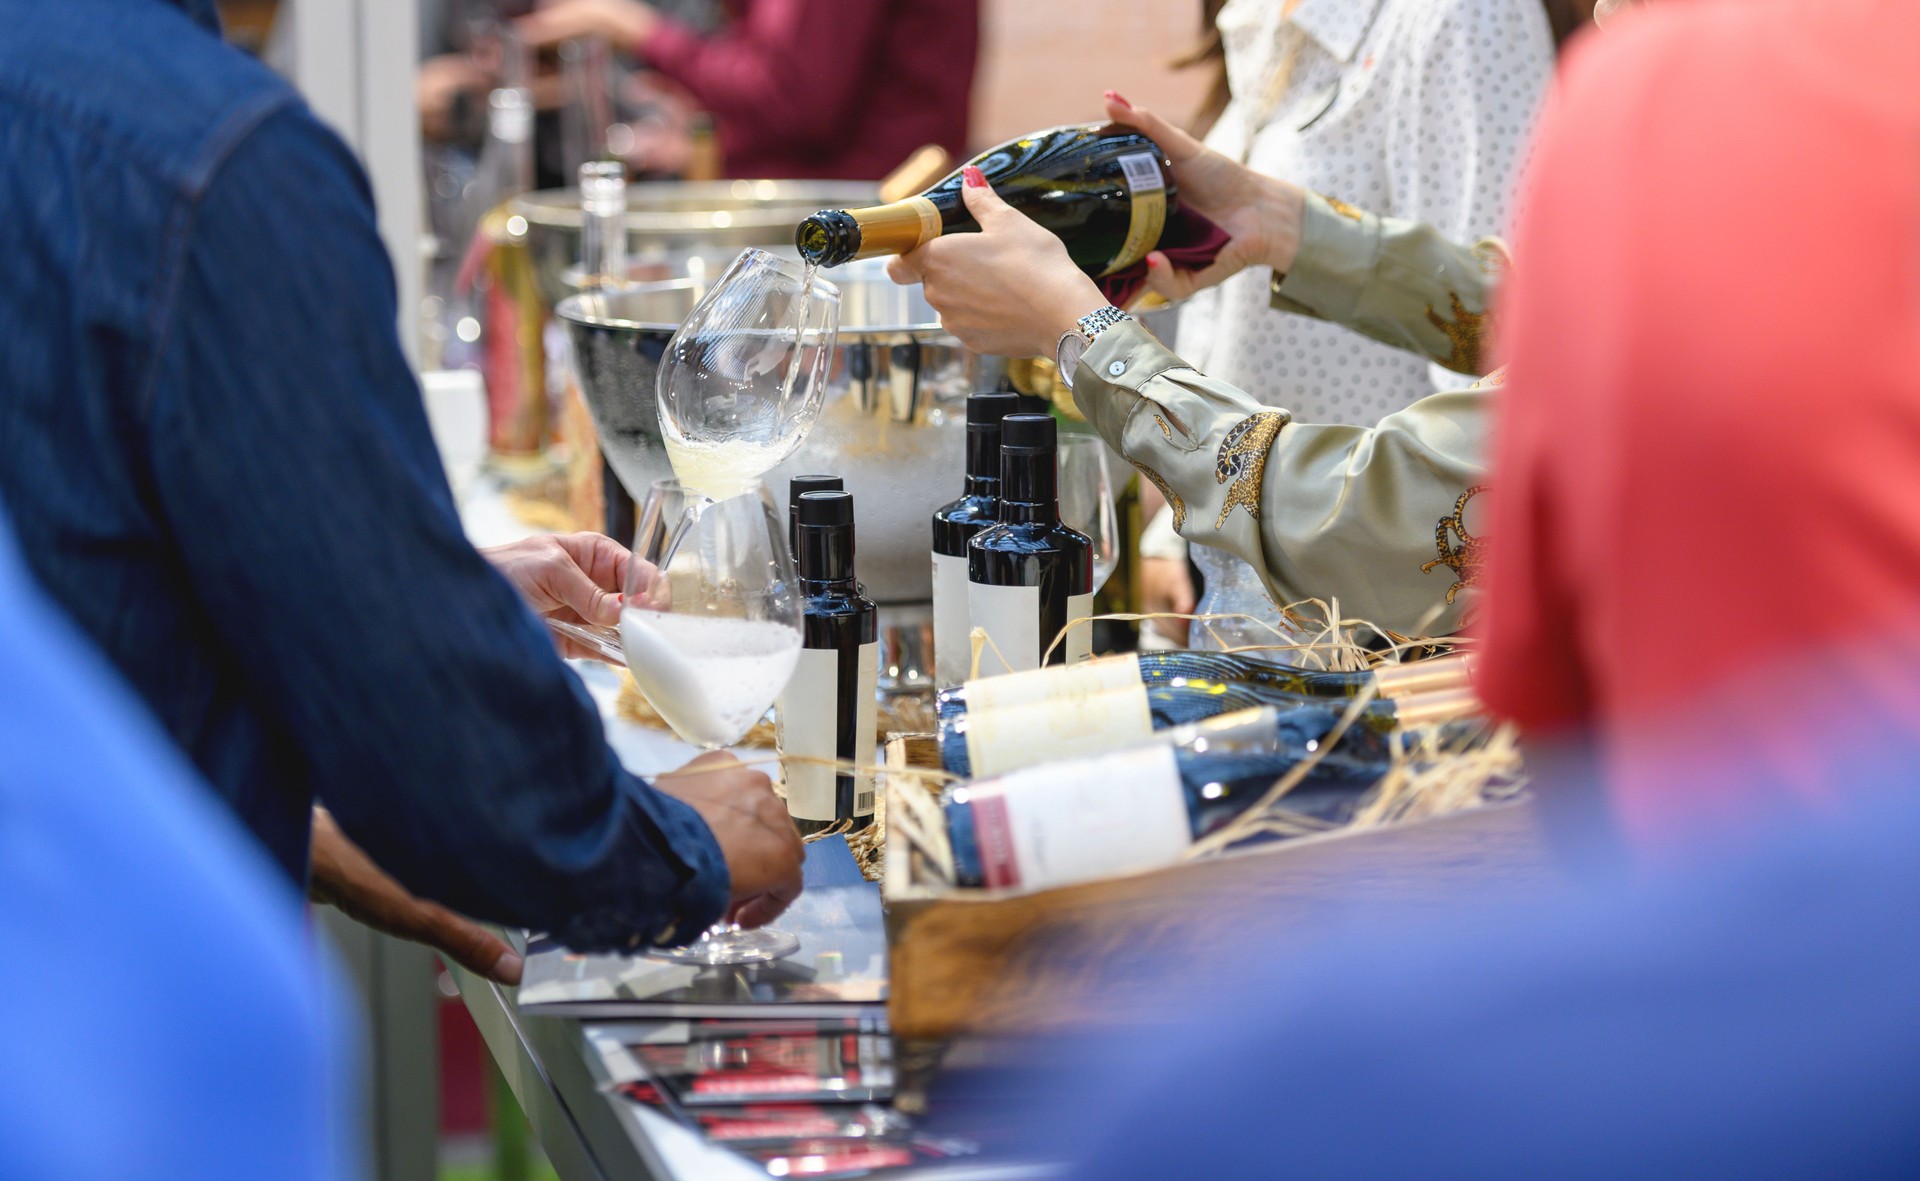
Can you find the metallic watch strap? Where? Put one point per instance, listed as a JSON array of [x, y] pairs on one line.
[[1094, 323]]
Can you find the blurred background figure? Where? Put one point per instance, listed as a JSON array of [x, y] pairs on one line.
[[175, 1019], [802, 89], [1414, 109], [1713, 452]]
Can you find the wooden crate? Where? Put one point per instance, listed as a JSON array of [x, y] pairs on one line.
[[1003, 961]]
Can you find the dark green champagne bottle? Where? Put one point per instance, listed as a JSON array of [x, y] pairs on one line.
[[1103, 189]]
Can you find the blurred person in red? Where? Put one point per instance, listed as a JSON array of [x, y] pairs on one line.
[[812, 89], [1711, 455]]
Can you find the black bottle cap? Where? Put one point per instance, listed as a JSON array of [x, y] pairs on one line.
[[824, 525], [1028, 433], [826, 509], [986, 410], [801, 485]]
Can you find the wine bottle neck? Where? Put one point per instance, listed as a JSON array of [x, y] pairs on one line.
[[826, 558], [1029, 489], [836, 236], [983, 460]]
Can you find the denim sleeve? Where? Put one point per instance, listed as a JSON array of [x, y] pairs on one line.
[[295, 468]]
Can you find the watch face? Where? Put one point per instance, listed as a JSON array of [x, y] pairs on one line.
[[1073, 346]]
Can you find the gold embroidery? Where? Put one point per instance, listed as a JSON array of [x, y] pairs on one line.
[[1464, 332], [1342, 208], [1464, 560], [1161, 422], [1173, 498], [1243, 460]]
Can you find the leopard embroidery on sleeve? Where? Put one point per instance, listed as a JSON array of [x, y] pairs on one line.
[[1173, 498], [1464, 559], [1242, 462], [1465, 333]]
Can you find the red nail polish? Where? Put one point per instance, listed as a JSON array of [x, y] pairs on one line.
[[973, 177], [1116, 96]]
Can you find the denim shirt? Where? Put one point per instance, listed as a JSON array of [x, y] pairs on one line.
[[218, 462]]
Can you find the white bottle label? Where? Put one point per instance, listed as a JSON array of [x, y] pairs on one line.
[[866, 702], [1066, 823], [1002, 740], [1058, 712], [1079, 641], [805, 721], [1011, 617], [952, 653], [1056, 683], [1142, 172]]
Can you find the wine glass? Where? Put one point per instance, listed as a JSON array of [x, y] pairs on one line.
[[742, 380], [710, 624], [1086, 500]]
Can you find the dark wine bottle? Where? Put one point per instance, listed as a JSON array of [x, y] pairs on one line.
[[999, 724], [828, 708], [1029, 574], [954, 525], [1136, 809], [1104, 190]]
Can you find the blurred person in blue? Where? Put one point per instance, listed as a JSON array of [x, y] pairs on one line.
[[164, 1012], [218, 463]]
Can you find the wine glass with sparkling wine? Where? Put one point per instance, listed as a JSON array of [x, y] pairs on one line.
[[742, 380], [710, 623]]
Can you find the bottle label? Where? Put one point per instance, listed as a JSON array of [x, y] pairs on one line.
[[1057, 712], [1078, 643], [1011, 617], [1078, 822], [1048, 685], [952, 651], [805, 727], [1148, 209], [1002, 740], [865, 706]]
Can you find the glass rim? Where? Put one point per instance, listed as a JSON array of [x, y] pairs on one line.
[[785, 267]]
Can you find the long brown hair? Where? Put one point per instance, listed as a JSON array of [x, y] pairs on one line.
[[1208, 54], [1567, 17]]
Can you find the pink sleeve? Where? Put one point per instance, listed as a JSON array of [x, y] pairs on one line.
[[788, 70]]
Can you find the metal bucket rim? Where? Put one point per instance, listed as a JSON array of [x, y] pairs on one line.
[[569, 309]]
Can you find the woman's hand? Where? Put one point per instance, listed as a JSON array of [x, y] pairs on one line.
[[625, 23], [1009, 290], [1262, 214]]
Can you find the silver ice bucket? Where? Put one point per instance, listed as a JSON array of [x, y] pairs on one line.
[[892, 423], [677, 228]]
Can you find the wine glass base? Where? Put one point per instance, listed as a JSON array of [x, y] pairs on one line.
[[732, 945]]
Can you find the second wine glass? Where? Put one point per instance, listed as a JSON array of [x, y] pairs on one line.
[[1086, 500], [711, 631]]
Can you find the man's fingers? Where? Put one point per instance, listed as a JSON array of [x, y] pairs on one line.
[[470, 945], [764, 909]]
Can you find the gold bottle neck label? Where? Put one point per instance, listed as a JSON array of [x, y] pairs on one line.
[[897, 228]]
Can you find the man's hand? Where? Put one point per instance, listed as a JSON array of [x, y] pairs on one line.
[[1262, 214], [345, 878], [1009, 290], [572, 577], [751, 824], [625, 23]]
